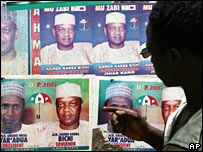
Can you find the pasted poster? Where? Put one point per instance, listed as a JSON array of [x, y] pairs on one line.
[[14, 42], [119, 33], [143, 95], [61, 40], [43, 113]]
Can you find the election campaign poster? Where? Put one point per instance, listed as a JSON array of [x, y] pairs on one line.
[[14, 42], [105, 40], [118, 39], [143, 95], [45, 113], [61, 40]]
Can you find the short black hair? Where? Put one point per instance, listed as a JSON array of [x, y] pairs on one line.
[[178, 24]]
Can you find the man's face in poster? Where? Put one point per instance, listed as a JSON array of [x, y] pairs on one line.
[[11, 112], [68, 111], [65, 35], [8, 35], [116, 34], [168, 107]]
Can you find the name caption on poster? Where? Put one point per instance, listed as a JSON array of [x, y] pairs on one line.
[[115, 7]]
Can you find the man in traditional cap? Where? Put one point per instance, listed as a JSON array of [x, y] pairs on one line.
[[65, 51], [12, 105], [12, 62], [69, 104], [116, 50], [117, 95], [171, 99], [174, 42]]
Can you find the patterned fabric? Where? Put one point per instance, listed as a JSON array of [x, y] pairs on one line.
[[67, 90], [130, 53], [79, 55], [119, 89], [12, 88], [18, 66], [10, 16]]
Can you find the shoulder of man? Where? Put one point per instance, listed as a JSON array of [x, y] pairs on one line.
[[49, 47], [84, 122], [83, 44], [101, 46]]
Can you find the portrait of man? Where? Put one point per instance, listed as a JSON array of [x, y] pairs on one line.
[[117, 95], [171, 99], [68, 106], [116, 50], [13, 62], [12, 106], [65, 51]]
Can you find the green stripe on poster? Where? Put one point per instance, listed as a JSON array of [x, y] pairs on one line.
[[22, 5], [47, 148]]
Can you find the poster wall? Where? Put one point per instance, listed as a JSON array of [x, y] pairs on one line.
[[105, 40], [142, 95], [61, 40], [43, 113]]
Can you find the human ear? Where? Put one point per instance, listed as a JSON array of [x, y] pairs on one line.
[[105, 32], [54, 31], [175, 57], [82, 104], [16, 34]]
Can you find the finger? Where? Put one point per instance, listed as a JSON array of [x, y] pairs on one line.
[[117, 125], [113, 109]]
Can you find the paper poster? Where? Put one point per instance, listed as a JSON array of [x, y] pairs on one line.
[[14, 42], [45, 113], [118, 39], [61, 40], [105, 40], [140, 94]]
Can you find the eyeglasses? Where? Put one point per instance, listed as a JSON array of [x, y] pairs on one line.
[[145, 53]]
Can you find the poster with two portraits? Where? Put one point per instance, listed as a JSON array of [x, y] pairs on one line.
[[79, 40], [61, 112]]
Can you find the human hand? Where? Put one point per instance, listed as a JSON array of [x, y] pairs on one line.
[[128, 122]]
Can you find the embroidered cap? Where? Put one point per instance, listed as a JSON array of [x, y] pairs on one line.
[[12, 88], [119, 89], [68, 90], [64, 18], [173, 93], [10, 16], [115, 17]]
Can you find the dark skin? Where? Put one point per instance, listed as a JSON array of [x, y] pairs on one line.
[[171, 67]]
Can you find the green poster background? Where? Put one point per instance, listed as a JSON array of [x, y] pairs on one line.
[[48, 111]]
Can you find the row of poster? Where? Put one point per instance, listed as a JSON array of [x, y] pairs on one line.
[[105, 40], [60, 112]]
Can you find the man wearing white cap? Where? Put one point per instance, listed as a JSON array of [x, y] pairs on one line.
[[65, 51], [117, 95], [69, 104], [12, 62], [12, 105], [171, 99], [116, 50]]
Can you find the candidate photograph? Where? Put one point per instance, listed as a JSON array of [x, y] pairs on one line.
[[14, 33], [116, 38], [65, 37]]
